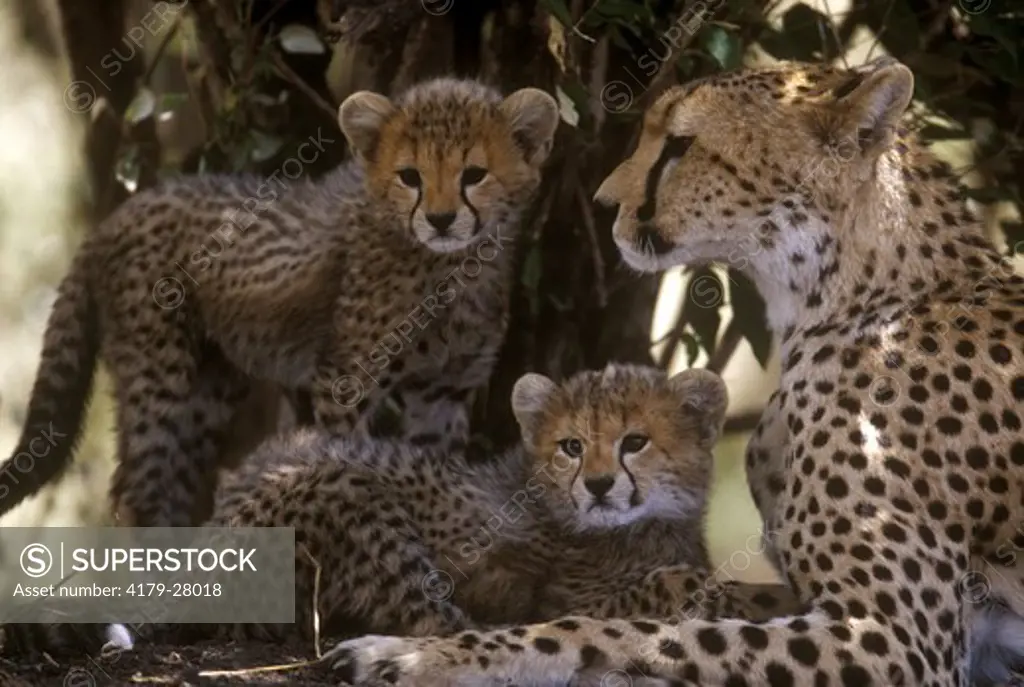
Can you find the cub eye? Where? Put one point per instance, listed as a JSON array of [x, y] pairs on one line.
[[473, 175], [410, 177], [571, 447], [633, 443]]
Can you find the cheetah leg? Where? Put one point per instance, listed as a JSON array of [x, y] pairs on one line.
[[839, 642], [373, 569], [345, 397], [435, 417], [680, 592], [171, 418]]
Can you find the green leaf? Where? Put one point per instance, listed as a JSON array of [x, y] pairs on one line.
[[171, 101], [567, 108], [143, 105], [1000, 63], [127, 168], [803, 29], [748, 309], [301, 40], [724, 45], [263, 146], [705, 295], [692, 348], [935, 132]]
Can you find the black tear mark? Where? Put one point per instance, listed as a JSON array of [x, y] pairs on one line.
[[477, 223], [675, 147]]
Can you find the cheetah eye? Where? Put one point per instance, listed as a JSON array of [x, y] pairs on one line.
[[632, 443], [571, 447], [410, 177], [473, 175]]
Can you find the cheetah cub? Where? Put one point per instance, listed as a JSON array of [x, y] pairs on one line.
[[598, 511], [389, 276]]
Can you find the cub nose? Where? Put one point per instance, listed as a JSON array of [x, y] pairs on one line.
[[599, 486], [441, 221]]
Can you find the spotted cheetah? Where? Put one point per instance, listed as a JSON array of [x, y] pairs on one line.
[[390, 275], [599, 510], [886, 466]]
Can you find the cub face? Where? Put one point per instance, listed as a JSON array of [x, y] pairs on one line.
[[617, 446], [726, 165], [451, 161]]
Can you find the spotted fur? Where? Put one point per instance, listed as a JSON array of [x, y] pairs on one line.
[[418, 540], [353, 287], [886, 467]]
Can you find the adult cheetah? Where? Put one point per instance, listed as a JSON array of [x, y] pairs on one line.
[[389, 275], [886, 467]]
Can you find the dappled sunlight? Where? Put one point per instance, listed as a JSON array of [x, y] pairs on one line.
[[41, 172]]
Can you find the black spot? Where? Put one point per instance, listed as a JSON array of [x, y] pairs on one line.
[[671, 649], [1017, 453], [958, 483], [567, 624], [645, 627], [1017, 387], [546, 645], [468, 640], [977, 458], [778, 675], [836, 487], [712, 641], [1000, 354], [912, 415], [854, 675]]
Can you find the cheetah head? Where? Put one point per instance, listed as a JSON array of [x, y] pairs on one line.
[[623, 444], [728, 166], [450, 160]]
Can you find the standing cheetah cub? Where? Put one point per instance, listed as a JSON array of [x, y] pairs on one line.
[[599, 511], [391, 274]]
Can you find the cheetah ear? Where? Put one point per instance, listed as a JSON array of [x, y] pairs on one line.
[[703, 397], [529, 396], [870, 104], [360, 117], [533, 117]]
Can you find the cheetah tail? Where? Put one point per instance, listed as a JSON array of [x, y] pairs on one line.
[[60, 394]]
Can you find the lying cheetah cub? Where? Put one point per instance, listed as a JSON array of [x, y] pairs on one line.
[[390, 275], [599, 511]]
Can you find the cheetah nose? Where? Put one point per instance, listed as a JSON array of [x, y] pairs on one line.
[[599, 486], [441, 221], [649, 239]]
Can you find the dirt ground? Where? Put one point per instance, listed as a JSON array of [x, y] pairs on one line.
[[208, 664]]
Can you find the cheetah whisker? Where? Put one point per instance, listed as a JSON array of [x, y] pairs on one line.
[[316, 602]]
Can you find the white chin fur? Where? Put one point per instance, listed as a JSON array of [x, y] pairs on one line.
[[446, 244], [606, 517]]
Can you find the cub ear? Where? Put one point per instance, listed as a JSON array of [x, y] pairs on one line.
[[529, 397], [871, 102], [533, 116], [703, 397], [361, 117]]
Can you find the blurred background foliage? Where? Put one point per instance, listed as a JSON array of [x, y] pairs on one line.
[[116, 95]]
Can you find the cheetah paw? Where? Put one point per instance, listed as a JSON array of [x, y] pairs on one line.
[[375, 660]]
